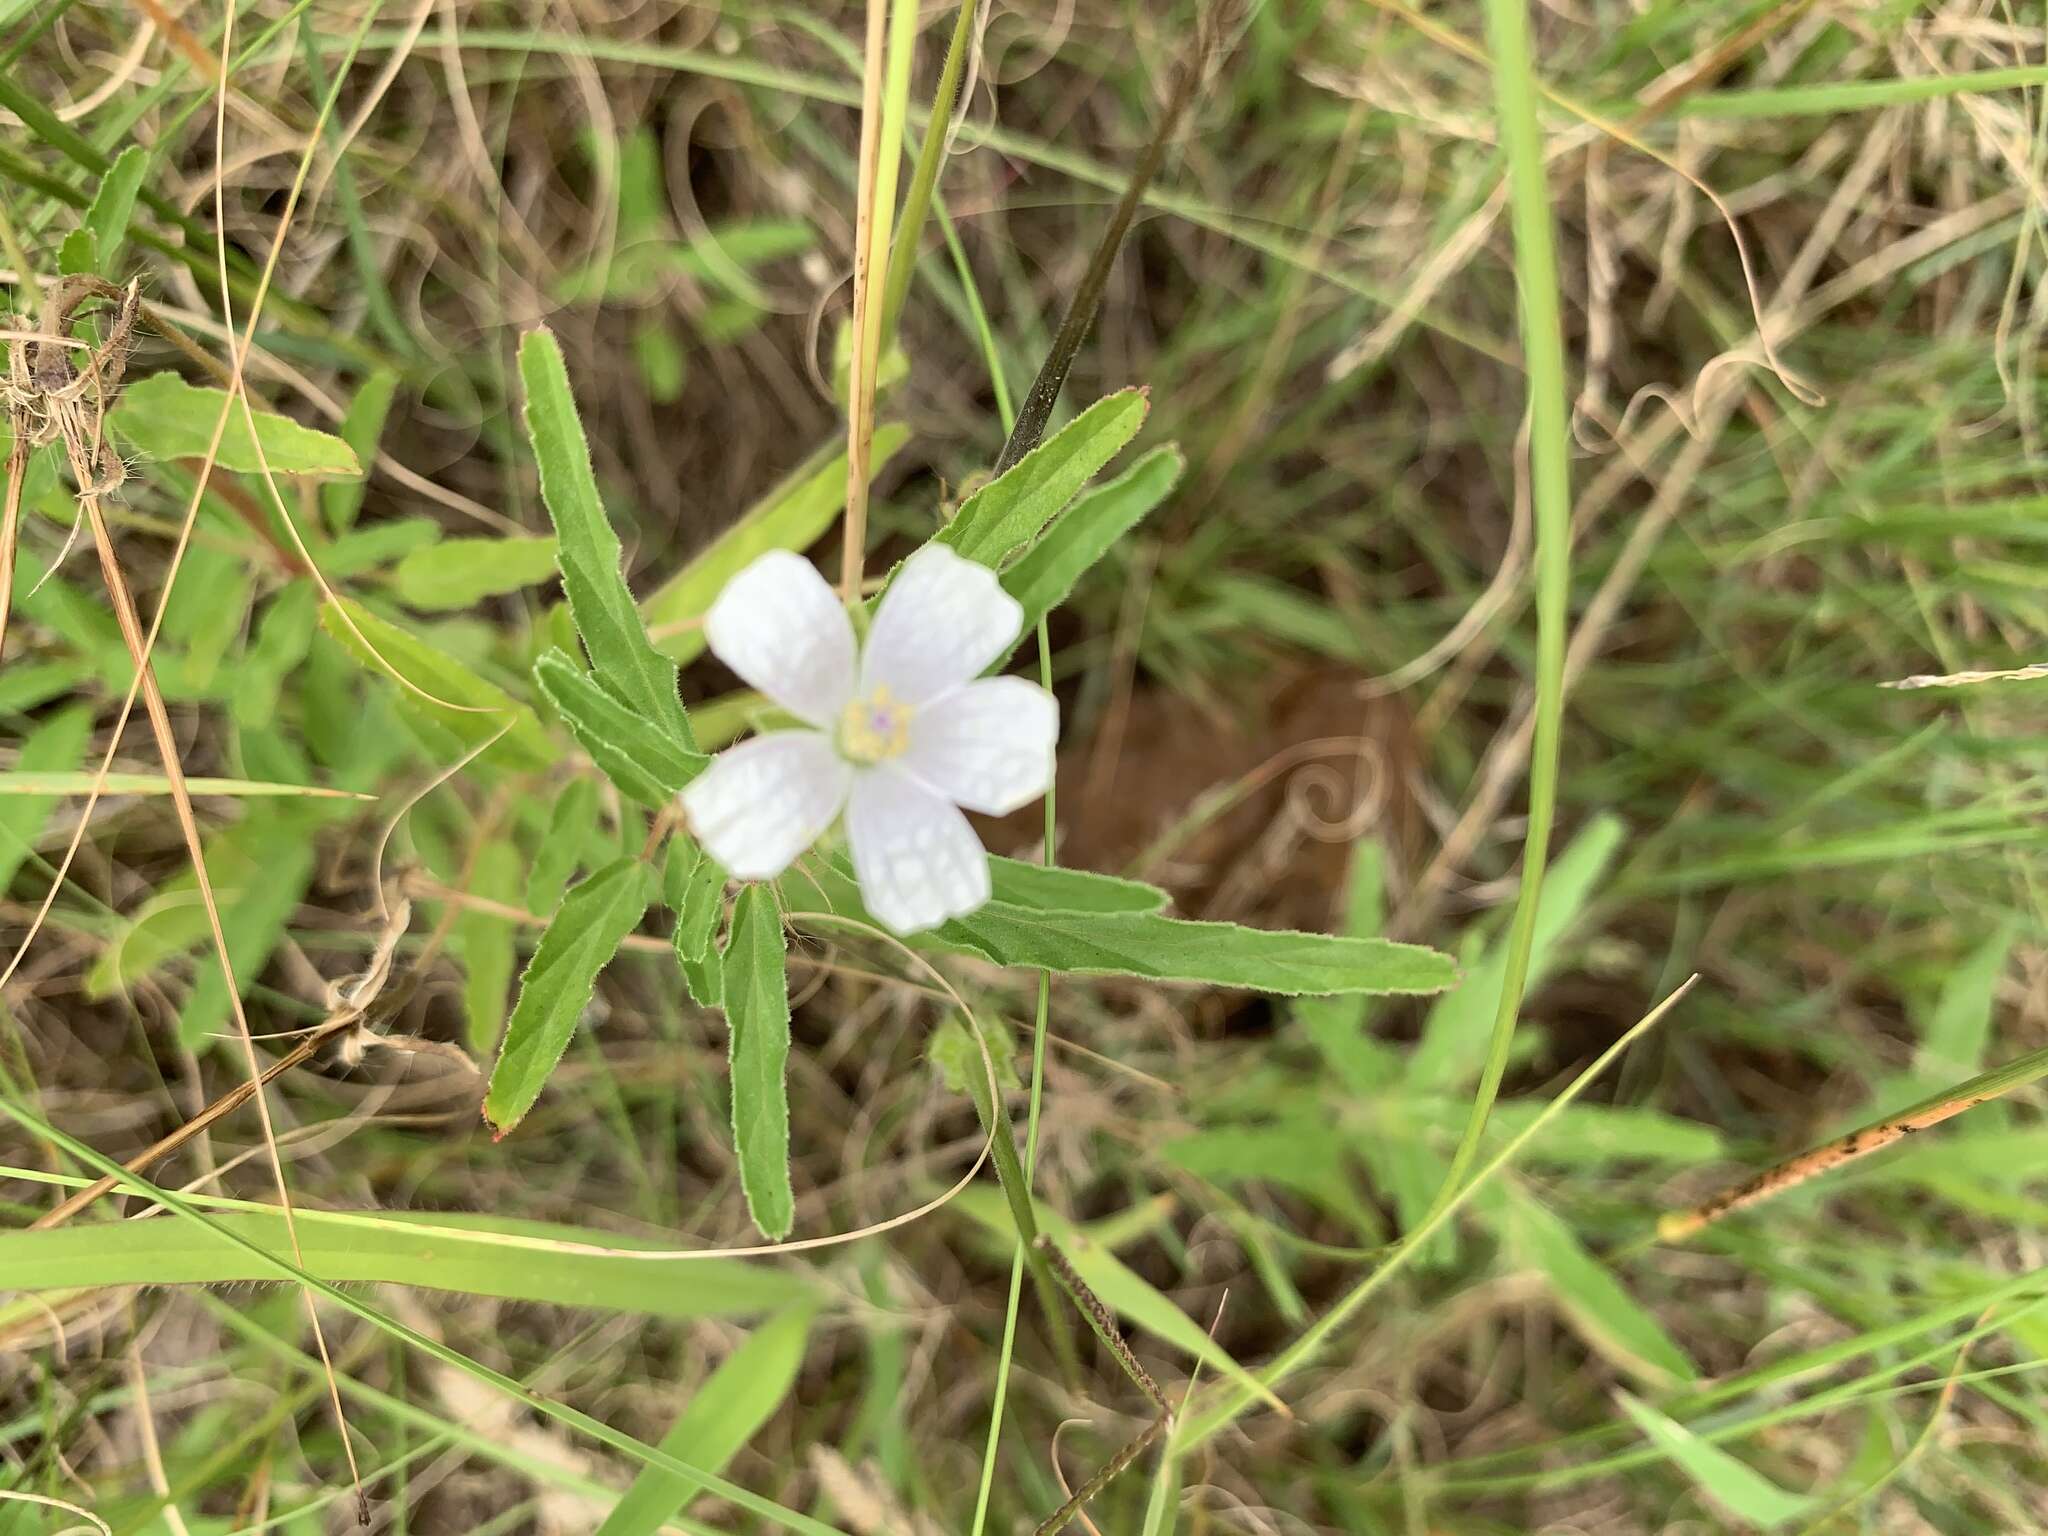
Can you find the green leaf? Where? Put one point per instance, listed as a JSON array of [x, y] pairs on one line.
[[594, 919], [383, 1248], [113, 206], [956, 1056], [1053, 889], [1135, 943], [625, 663], [1744, 1492], [457, 573], [757, 1013], [1453, 1043], [485, 941], [1337, 1026], [647, 764], [1220, 954], [437, 682], [694, 887], [735, 1401], [1598, 1135], [80, 252], [571, 821], [1046, 573], [1006, 514], [1600, 1309], [1295, 1153], [791, 516], [49, 752], [253, 922], [362, 428], [283, 635], [1959, 1028], [705, 980], [364, 549], [163, 417]]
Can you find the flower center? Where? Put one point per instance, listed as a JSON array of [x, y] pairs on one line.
[[875, 729]]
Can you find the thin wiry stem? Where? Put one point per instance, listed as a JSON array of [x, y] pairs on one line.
[[1080, 316]]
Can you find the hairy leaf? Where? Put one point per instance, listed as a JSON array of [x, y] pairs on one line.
[[361, 428], [1007, 514], [457, 573], [163, 417], [645, 762], [443, 689], [1046, 573], [626, 664], [586, 932], [757, 1011]]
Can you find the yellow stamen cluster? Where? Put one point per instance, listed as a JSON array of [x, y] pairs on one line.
[[875, 729]]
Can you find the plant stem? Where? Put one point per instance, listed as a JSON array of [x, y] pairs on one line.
[[1550, 475]]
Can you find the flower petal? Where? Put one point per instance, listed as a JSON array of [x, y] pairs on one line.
[[917, 859], [940, 624], [765, 801], [987, 746], [783, 630]]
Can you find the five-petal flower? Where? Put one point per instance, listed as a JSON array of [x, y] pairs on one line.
[[901, 732]]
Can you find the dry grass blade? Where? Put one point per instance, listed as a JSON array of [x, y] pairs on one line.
[[1676, 1226]]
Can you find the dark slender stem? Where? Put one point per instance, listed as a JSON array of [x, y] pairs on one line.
[[1080, 316]]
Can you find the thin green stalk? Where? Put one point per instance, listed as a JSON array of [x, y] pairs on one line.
[[1007, 412], [930, 155], [1550, 489]]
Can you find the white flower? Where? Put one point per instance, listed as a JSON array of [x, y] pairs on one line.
[[901, 735]]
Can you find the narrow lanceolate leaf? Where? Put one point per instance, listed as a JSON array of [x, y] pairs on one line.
[[1602, 1312], [757, 1011], [112, 207], [1049, 888], [1744, 1492], [457, 573], [48, 754], [484, 940], [438, 687], [571, 829], [362, 428], [794, 515], [1042, 579], [645, 762], [1136, 943], [1221, 954], [1007, 514], [720, 1418], [586, 932], [692, 885], [625, 662], [163, 417]]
